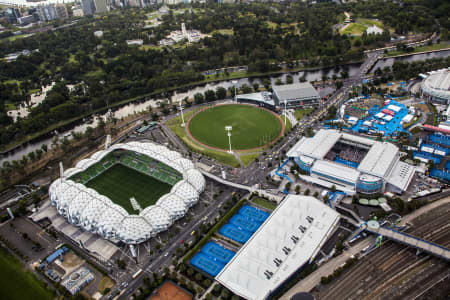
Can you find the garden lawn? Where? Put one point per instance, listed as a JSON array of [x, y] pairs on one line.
[[252, 127], [18, 284], [119, 183]]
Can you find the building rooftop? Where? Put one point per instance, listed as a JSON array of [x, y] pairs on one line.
[[290, 238], [378, 160], [295, 90]]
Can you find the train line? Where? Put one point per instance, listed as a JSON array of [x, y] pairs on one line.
[[394, 271]]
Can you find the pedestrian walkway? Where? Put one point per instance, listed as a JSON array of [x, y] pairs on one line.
[[413, 241]]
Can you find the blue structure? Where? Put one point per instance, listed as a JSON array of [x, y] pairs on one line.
[[440, 174], [440, 139], [235, 233], [243, 224], [447, 165], [425, 155], [281, 174], [56, 254], [438, 148], [346, 162], [212, 258], [390, 128], [253, 213]]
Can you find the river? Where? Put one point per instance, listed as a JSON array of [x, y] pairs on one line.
[[132, 108], [388, 62]]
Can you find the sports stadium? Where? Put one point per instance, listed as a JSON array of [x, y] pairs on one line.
[[351, 163], [436, 86], [252, 127], [128, 192]]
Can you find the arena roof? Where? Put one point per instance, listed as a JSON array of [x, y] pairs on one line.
[[401, 175], [295, 91], [378, 160], [336, 170], [437, 84], [86, 208], [271, 255], [317, 146]]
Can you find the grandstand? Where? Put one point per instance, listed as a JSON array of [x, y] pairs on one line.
[[130, 159], [351, 163], [289, 239]]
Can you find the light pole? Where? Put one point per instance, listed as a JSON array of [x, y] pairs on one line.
[[234, 83], [182, 116], [285, 113], [228, 129]]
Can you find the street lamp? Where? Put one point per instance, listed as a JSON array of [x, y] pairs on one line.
[[234, 83], [182, 116], [228, 129]]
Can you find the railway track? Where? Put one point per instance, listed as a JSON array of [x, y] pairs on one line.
[[394, 271]]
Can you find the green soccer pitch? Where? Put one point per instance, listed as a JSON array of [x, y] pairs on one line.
[[253, 127], [119, 183]]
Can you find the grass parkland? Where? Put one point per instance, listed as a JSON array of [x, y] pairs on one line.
[[122, 175], [253, 127], [16, 283]]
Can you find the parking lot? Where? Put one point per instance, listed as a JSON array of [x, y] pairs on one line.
[[32, 241]]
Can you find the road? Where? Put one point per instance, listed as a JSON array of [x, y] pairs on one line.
[[162, 261]]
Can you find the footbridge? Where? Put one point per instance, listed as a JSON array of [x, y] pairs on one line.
[[260, 192], [412, 241]]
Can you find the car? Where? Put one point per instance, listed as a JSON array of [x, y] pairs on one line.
[[182, 241], [167, 254]]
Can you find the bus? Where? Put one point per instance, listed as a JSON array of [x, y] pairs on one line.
[[137, 274]]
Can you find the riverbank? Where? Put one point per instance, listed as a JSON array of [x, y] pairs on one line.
[[4, 150], [419, 50]]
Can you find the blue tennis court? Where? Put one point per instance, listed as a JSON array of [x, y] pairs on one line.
[[217, 252], [212, 258], [245, 223], [253, 213], [235, 233], [206, 264]]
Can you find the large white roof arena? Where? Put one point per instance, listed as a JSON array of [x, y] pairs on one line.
[[86, 208], [291, 237]]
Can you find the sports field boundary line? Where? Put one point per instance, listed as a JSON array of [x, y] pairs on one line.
[[242, 151]]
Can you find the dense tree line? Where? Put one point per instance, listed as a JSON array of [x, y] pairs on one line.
[[106, 70]]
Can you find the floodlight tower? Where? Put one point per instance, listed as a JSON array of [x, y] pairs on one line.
[[234, 83], [228, 129], [182, 116]]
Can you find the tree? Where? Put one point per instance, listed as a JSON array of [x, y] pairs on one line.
[[198, 277], [198, 98], [221, 93], [44, 147], [190, 272], [210, 95], [333, 188], [307, 192], [256, 87]]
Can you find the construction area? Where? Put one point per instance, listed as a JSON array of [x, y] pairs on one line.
[[395, 271]]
